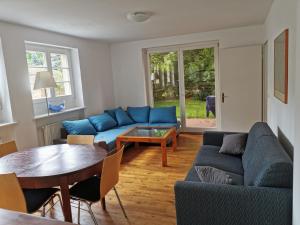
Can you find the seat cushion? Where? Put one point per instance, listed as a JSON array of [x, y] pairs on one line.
[[139, 114], [176, 125], [193, 176], [163, 115], [209, 156], [109, 136], [102, 122], [126, 127], [123, 118], [79, 127], [36, 198], [88, 189]]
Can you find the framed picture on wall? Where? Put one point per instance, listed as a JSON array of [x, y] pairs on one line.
[[281, 61]]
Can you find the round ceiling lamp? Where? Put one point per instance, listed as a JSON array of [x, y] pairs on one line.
[[138, 16]]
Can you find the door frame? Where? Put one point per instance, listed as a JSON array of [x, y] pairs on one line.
[[180, 49]]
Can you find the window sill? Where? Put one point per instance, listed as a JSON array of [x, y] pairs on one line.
[[59, 113], [7, 124]]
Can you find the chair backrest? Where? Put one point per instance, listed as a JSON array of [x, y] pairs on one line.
[[110, 172], [8, 148], [80, 139], [11, 194]]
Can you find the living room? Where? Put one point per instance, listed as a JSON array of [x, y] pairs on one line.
[[170, 73]]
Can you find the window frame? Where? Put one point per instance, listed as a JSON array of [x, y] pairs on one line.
[[56, 50]]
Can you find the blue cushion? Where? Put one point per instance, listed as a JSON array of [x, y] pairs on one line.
[[176, 125], [102, 122], [79, 127], [112, 112], [163, 115], [139, 114], [123, 118]]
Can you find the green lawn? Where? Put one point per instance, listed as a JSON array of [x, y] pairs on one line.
[[194, 108]]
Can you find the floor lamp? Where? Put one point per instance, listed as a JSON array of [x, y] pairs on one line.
[[44, 80]]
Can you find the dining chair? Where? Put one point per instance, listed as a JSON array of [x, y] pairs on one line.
[[32, 194], [95, 188], [7, 148], [80, 139], [13, 197]]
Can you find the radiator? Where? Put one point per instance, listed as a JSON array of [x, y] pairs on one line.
[[51, 132]]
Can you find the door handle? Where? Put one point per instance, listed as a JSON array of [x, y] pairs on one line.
[[223, 97]]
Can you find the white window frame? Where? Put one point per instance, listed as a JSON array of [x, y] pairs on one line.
[[59, 50]]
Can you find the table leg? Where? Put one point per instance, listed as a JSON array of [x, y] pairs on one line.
[[65, 195], [118, 145], [164, 153], [174, 141]]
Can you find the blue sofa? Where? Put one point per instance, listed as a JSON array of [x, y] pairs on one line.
[[263, 195], [107, 126]]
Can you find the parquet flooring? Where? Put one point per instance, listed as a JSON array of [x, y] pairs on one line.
[[146, 188]]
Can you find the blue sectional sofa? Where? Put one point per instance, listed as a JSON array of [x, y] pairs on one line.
[[108, 125], [263, 195]]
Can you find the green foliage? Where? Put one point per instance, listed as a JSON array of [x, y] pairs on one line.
[[193, 109], [199, 74]]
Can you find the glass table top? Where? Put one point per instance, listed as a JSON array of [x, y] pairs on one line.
[[147, 132]]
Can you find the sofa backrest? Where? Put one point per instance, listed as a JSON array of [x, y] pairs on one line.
[[265, 162]]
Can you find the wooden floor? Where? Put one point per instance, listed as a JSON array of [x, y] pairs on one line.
[[145, 188]]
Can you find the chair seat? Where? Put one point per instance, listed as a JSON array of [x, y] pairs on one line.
[[88, 189], [36, 198]]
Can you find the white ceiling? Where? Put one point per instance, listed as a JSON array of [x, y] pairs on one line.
[[106, 19]]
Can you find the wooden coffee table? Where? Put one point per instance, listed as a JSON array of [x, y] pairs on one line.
[[159, 135]]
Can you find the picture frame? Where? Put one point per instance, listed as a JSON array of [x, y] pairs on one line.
[[281, 54]]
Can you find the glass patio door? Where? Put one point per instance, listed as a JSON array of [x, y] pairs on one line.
[[185, 77], [165, 80], [199, 100]]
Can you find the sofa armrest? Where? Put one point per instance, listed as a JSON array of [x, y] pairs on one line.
[[215, 137], [208, 204]]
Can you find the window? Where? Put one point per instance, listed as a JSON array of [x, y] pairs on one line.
[[58, 62]]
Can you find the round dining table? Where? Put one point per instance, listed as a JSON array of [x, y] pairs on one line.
[[55, 165]]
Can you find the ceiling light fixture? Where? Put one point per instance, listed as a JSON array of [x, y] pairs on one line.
[[138, 16]]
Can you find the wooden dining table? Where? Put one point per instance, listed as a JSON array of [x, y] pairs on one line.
[[55, 165]]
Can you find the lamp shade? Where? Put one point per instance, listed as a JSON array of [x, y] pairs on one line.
[[44, 79]]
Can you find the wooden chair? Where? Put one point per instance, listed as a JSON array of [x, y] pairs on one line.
[[94, 189], [13, 197], [8, 148], [30, 194], [80, 139]]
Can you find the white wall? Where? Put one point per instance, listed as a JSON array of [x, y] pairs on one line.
[[296, 188], [127, 64], [95, 70], [282, 16]]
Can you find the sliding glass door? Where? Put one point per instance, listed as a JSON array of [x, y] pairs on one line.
[[185, 77], [199, 85], [165, 79]]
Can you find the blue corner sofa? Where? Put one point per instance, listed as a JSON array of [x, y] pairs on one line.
[[108, 125], [263, 196]]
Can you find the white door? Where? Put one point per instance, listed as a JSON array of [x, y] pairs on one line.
[[241, 87]]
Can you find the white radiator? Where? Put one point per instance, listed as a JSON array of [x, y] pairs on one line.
[[51, 132]]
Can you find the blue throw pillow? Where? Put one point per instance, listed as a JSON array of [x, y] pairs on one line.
[[112, 112], [163, 115], [123, 118], [139, 114], [102, 122], [79, 127]]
